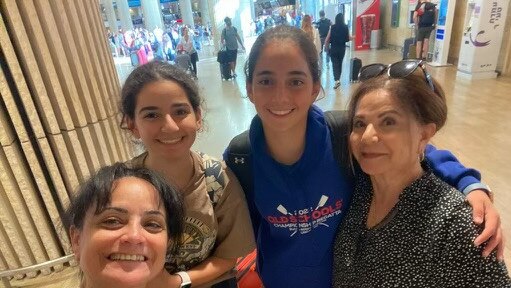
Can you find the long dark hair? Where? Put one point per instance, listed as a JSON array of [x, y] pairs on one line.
[[152, 72], [339, 20]]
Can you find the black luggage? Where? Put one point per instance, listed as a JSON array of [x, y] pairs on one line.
[[406, 47], [355, 65], [225, 71], [225, 68], [222, 56]]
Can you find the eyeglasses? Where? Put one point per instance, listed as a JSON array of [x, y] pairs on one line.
[[401, 69]]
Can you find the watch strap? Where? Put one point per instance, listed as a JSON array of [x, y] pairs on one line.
[[185, 279]]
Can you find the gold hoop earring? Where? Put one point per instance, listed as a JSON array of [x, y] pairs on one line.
[[422, 156]]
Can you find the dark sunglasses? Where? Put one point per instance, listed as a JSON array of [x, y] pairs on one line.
[[401, 69]]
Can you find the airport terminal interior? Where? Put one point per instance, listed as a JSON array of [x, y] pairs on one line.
[[477, 130]]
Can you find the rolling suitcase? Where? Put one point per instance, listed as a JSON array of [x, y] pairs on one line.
[[355, 65], [225, 71], [407, 47], [222, 56]]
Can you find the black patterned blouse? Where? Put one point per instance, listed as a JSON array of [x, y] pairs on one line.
[[426, 240]]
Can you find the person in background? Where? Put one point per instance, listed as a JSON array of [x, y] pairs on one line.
[[121, 223], [121, 45], [259, 26], [299, 19], [230, 39], [156, 47], [335, 45], [424, 17], [300, 192], [168, 49], [311, 32], [161, 106], [405, 226], [187, 44], [323, 25], [158, 33]]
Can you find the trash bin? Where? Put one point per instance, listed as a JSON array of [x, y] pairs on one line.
[[375, 39]]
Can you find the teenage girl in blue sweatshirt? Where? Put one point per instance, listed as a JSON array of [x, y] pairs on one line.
[[300, 194]]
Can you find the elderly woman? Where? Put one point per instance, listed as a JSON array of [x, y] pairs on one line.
[[187, 45], [122, 223], [405, 227]]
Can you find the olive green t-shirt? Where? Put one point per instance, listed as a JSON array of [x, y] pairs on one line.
[[222, 229]]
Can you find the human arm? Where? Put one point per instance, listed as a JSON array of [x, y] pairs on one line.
[[317, 40], [436, 17], [445, 165], [207, 271], [416, 14], [326, 45], [239, 40], [234, 236]]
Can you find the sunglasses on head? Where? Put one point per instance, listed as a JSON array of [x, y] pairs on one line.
[[401, 69]]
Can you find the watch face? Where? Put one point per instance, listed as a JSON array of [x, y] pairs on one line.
[[186, 285]]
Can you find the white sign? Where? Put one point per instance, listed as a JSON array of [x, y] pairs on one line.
[[482, 39], [445, 10]]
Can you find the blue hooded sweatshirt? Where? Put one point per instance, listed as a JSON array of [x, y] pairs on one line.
[[301, 205]]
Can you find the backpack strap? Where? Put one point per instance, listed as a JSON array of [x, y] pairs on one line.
[[338, 122], [215, 177], [238, 157]]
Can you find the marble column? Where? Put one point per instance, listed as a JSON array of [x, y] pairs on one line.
[[59, 122], [123, 10], [216, 22], [152, 14], [242, 18], [204, 9], [110, 15], [185, 6], [253, 10]]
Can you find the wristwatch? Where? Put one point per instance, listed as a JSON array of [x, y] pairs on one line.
[[186, 282]]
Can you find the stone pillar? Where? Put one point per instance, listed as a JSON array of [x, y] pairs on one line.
[[110, 15], [253, 10], [242, 18], [311, 7], [185, 7], [305, 7], [215, 16], [59, 122], [204, 9], [315, 9], [123, 10], [152, 14]]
